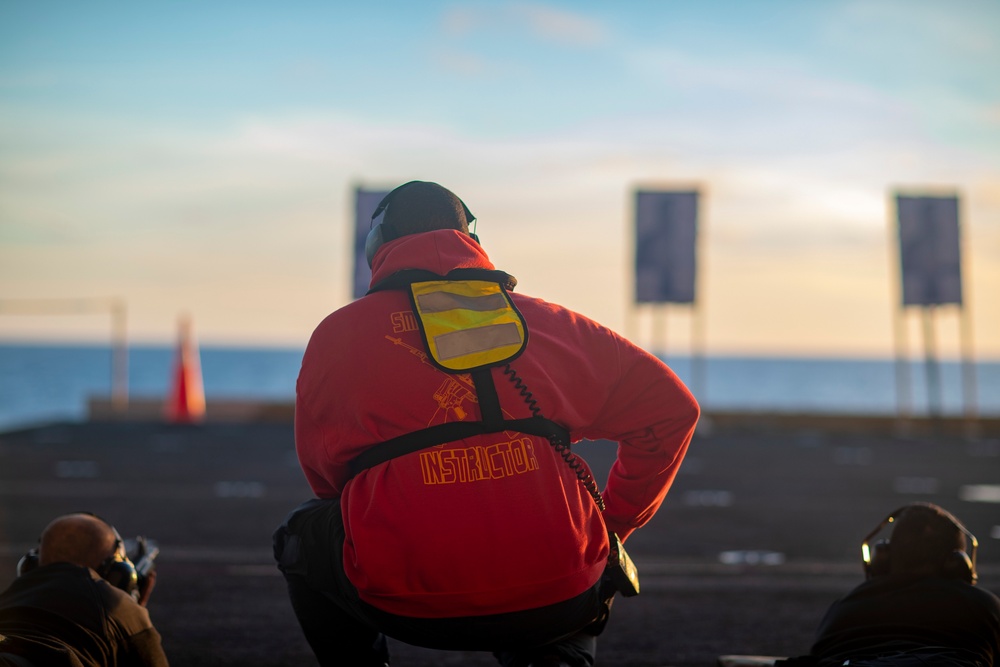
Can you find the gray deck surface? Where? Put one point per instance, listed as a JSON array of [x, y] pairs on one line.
[[759, 534]]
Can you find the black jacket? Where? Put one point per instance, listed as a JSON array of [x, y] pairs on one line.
[[62, 614], [912, 614]]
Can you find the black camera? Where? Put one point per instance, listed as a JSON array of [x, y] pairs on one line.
[[142, 552]]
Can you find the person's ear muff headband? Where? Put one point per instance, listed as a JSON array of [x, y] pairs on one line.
[[116, 569], [959, 565]]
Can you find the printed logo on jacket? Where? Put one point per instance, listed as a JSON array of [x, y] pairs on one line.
[[452, 401]]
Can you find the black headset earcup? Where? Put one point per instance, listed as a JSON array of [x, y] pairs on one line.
[[28, 562], [878, 564], [373, 242], [120, 574], [959, 566]]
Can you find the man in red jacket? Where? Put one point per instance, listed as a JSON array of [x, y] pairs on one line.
[[433, 421]]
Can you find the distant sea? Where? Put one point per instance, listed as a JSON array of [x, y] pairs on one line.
[[43, 383]]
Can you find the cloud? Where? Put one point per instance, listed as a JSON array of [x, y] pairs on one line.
[[503, 41], [560, 26], [548, 24], [963, 29], [785, 82], [265, 204], [465, 64]]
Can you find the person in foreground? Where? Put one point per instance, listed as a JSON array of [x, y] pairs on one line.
[[918, 606], [433, 421], [79, 603]]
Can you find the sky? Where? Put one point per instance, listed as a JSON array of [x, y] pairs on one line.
[[200, 159]]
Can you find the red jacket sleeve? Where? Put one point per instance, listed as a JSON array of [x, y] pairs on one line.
[[602, 387], [652, 415], [325, 476]]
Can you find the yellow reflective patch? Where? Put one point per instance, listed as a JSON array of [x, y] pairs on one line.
[[473, 341], [441, 301], [468, 324]]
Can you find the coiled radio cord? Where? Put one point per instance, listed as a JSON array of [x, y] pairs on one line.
[[575, 463]]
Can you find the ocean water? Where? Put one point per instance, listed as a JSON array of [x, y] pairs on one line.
[[41, 383]]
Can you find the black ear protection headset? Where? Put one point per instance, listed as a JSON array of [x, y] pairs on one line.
[[958, 564], [383, 233], [116, 569]]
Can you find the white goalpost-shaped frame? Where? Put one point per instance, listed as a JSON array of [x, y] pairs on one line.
[[117, 312]]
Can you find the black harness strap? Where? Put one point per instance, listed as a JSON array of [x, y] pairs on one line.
[[445, 433], [489, 402], [401, 279], [486, 391]]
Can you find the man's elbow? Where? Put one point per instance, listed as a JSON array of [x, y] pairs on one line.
[[693, 411]]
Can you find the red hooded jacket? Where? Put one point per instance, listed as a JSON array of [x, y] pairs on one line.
[[493, 523]]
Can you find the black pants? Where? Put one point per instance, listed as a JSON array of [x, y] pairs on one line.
[[11, 660], [344, 630]]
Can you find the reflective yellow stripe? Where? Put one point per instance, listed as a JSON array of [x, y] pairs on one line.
[[460, 343], [468, 324], [437, 302]]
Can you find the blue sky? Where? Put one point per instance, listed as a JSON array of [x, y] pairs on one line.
[[201, 157]]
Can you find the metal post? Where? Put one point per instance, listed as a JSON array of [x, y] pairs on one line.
[[631, 321], [931, 365], [660, 332], [969, 397], [119, 357], [904, 400], [698, 376]]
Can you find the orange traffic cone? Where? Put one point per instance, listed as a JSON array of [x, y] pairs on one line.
[[186, 401]]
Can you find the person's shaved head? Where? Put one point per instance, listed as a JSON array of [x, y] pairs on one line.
[[80, 539]]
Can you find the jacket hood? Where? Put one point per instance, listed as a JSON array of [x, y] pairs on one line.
[[439, 251]]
